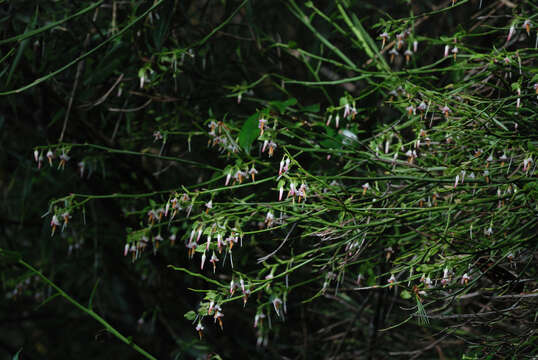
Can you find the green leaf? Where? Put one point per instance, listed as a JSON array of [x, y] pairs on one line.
[[405, 294], [191, 315], [314, 108], [249, 132], [283, 105]]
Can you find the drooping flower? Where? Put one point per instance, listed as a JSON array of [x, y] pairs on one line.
[[301, 192], [214, 259], [276, 304], [218, 317], [192, 249], [50, 156], [393, 53], [252, 172], [446, 110], [399, 39], [408, 53], [269, 218], [391, 281], [455, 52], [272, 147], [258, 319], [510, 32], [200, 329], [465, 279], [261, 125], [54, 222], [446, 277], [384, 37]]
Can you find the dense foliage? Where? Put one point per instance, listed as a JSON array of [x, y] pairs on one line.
[[218, 179]]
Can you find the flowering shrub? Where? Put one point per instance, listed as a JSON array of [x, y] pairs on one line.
[[353, 174]]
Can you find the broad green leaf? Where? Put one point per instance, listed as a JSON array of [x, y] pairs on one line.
[[283, 105], [190, 315], [249, 132]]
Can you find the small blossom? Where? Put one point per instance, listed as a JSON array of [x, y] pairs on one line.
[[349, 111], [261, 125], [210, 308], [415, 46], [399, 38], [391, 281], [527, 164], [329, 120], [389, 252], [488, 231], [269, 218], [272, 147], [239, 176], [510, 32], [276, 304], [446, 110], [233, 286], [410, 110], [64, 158], [54, 222], [157, 136], [209, 205], [200, 329], [192, 249], [428, 282], [384, 37], [465, 279], [393, 53], [214, 259], [218, 317], [293, 190], [408, 53], [258, 319], [447, 50], [365, 188], [455, 52], [252, 172], [301, 192], [446, 277], [50, 156], [422, 106]]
